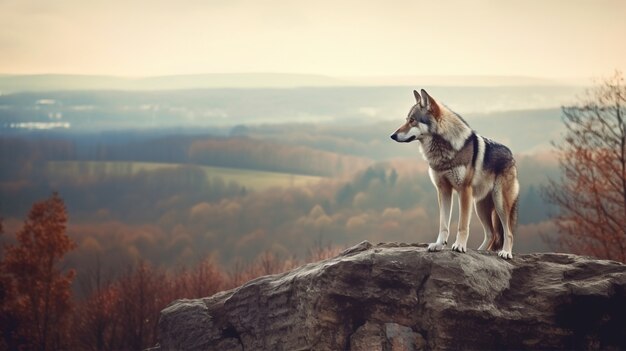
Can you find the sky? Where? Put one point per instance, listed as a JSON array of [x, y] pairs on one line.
[[537, 38]]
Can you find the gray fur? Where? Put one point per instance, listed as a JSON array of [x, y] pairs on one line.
[[497, 157], [443, 157]]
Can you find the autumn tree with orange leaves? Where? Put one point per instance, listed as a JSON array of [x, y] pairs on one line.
[[36, 297], [591, 193]]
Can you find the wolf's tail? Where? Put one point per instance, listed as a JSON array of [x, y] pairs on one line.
[[498, 240], [498, 235], [513, 215]]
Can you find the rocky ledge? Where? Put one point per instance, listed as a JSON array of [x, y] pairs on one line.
[[401, 297]]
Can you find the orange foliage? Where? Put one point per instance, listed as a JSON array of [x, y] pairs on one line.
[[37, 298], [95, 321], [123, 314]]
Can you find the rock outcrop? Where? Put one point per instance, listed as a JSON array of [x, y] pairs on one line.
[[401, 297]]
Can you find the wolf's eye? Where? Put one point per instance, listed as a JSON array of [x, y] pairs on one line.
[[411, 120]]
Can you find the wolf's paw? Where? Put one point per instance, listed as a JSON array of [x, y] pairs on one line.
[[435, 247], [507, 255], [459, 247]]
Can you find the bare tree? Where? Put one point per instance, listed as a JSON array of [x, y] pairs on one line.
[[591, 193], [96, 319]]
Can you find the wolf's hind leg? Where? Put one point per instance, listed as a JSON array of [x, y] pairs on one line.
[[484, 208], [505, 198], [444, 194]]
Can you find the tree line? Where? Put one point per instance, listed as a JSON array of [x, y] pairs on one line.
[[172, 217]]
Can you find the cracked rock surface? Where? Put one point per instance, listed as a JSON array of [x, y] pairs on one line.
[[400, 297]]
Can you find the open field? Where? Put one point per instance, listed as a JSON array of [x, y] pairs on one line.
[[253, 180]]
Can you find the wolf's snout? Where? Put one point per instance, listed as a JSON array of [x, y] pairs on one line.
[[394, 136]]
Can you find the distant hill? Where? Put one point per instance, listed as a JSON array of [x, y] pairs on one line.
[[465, 81], [55, 82]]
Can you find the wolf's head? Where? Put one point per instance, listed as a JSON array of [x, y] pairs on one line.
[[421, 121]]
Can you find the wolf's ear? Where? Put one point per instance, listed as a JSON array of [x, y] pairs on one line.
[[417, 96], [430, 104]]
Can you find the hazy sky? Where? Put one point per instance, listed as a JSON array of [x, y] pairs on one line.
[[564, 38]]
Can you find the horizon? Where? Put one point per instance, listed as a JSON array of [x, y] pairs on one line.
[[16, 83], [358, 79]]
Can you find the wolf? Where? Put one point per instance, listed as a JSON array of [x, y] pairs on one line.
[[480, 170]]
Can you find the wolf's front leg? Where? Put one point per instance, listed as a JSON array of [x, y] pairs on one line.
[[465, 211], [444, 194]]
